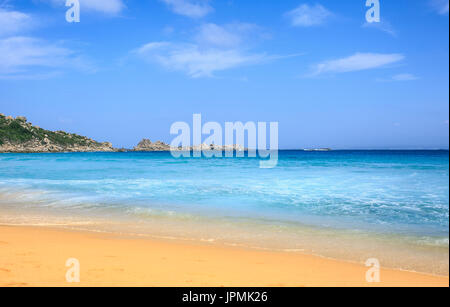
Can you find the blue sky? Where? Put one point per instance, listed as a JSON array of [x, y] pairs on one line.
[[131, 68]]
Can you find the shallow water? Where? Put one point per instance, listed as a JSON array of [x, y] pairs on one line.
[[391, 205]]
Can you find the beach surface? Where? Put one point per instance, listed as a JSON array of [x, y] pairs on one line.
[[36, 256]]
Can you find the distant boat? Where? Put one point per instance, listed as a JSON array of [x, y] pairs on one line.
[[318, 149]]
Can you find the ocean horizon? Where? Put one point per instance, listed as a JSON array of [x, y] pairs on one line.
[[392, 205]]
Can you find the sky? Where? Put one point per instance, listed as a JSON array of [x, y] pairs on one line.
[[131, 68]]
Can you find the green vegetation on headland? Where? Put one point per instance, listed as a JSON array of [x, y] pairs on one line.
[[18, 135]]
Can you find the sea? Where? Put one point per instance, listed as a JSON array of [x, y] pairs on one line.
[[349, 205]]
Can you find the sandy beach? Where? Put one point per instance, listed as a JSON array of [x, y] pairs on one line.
[[31, 256]]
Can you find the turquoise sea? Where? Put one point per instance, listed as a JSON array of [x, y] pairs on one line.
[[352, 205]]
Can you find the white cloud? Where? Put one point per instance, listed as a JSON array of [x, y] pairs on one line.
[[308, 16], [195, 61], [399, 78], [28, 57], [12, 22], [404, 77], [230, 35], [216, 35], [190, 8], [356, 62], [24, 57], [384, 26], [441, 6], [110, 7], [213, 48]]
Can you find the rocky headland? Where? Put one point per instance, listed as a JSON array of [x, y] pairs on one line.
[[20, 136]]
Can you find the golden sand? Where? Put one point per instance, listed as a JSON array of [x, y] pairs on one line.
[[31, 256]]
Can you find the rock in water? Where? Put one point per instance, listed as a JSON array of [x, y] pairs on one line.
[[147, 145]]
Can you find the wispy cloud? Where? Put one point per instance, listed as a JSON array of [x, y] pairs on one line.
[[440, 6], [12, 22], [384, 26], [230, 35], [195, 61], [28, 58], [110, 7], [190, 8], [307, 15], [400, 78], [213, 48], [356, 62], [405, 77]]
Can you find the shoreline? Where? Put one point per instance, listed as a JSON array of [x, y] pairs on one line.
[[36, 256], [343, 245]]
